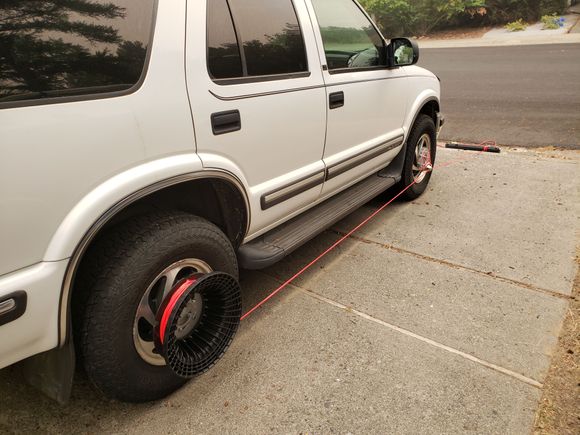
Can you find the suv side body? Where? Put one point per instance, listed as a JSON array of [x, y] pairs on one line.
[[248, 151]]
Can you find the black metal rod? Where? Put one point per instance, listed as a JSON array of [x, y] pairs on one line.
[[482, 148]]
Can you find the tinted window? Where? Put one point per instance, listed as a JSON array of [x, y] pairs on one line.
[[224, 58], [61, 48], [268, 32], [350, 40]]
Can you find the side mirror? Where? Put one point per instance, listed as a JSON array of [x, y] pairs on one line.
[[402, 52]]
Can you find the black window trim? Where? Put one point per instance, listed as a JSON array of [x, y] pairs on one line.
[[247, 78], [382, 54], [241, 51], [97, 95]]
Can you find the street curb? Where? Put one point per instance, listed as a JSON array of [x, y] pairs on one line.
[[569, 38]]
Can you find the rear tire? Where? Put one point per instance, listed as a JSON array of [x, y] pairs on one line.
[[423, 130], [112, 281]]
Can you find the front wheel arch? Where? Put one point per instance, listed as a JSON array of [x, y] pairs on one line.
[[430, 107]]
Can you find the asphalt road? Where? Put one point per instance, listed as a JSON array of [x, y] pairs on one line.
[[519, 95]]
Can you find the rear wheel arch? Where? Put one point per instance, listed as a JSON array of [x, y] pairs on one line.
[[53, 371], [122, 284], [216, 197]]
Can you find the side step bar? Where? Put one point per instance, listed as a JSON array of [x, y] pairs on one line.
[[281, 241]]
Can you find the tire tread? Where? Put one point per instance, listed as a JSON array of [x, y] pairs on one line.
[[105, 263]]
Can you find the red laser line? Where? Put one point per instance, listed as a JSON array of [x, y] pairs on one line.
[[309, 265], [351, 232]]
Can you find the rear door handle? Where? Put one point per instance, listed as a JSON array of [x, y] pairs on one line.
[[226, 122], [336, 100]]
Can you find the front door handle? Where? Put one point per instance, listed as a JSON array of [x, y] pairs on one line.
[[336, 100], [226, 122]]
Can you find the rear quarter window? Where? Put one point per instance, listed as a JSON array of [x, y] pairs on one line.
[[62, 48]]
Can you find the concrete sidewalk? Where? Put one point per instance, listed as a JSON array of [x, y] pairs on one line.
[[500, 37], [440, 316], [534, 29], [569, 38]]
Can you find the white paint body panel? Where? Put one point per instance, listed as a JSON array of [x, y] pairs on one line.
[[373, 114], [282, 135], [51, 156], [63, 166], [37, 330]]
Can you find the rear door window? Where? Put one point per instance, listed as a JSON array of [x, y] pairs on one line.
[[263, 35], [57, 49]]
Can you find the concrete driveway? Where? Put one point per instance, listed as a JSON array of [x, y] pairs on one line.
[[440, 316]]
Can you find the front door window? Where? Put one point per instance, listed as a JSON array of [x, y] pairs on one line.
[[350, 39]]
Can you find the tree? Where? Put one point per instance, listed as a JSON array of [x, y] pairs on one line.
[[439, 11], [502, 11], [395, 17], [417, 17]]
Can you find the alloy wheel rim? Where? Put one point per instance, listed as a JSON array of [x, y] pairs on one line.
[[422, 158]]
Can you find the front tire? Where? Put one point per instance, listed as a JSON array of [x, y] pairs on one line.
[[117, 283], [421, 149]]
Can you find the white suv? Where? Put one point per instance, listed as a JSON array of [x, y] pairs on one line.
[[145, 141]]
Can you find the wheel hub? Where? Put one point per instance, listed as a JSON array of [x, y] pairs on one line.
[[190, 317]]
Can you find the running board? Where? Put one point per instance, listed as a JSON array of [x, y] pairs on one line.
[[281, 241]]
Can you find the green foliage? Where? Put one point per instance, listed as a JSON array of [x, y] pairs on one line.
[[552, 7], [516, 26], [550, 22], [503, 11], [417, 17], [395, 17]]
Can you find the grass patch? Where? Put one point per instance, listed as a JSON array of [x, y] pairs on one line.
[[516, 26], [559, 411], [551, 22]]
